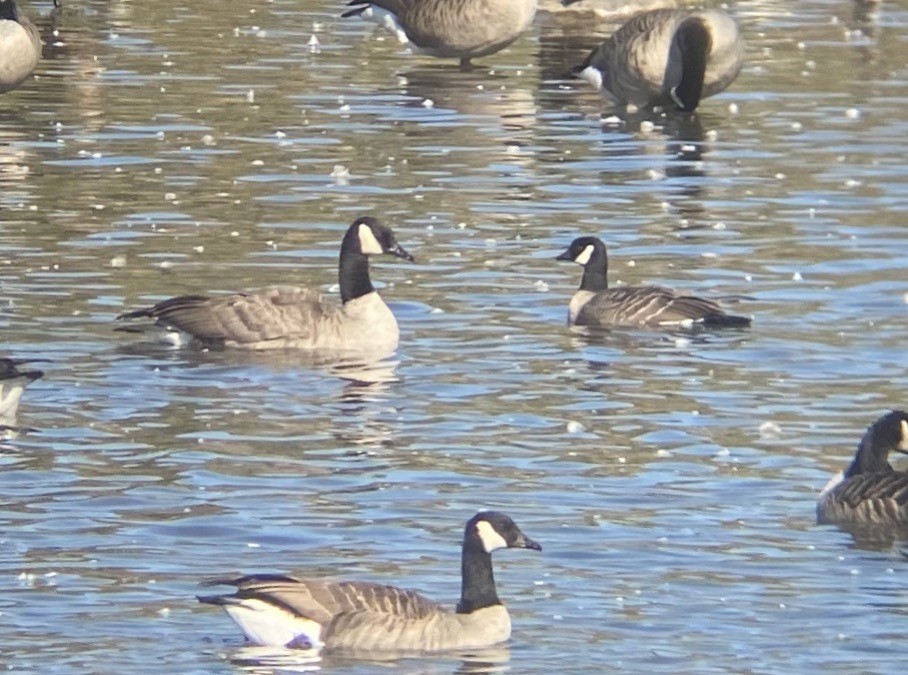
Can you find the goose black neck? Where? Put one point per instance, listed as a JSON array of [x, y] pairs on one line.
[[477, 588], [353, 270], [694, 44], [872, 456], [595, 272], [8, 11]]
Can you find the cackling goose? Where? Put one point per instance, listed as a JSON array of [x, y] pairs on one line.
[[463, 29], [280, 611], [20, 46], [595, 304], [289, 317], [667, 57], [870, 491]]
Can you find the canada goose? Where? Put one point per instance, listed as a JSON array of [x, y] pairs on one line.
[[463, 29], [870, 491], [280, 611], [665, 57], [595, 304], [12, 382], [289, 317], [20, 46]]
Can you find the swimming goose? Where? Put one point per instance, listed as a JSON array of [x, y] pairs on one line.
[[289, 317], [280, 611], [595, 304], [20, 46], [870, 491], [667, 57], [12, 382], [463, 29]]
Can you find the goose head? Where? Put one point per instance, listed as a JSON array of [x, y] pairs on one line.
[[8, 10], [888, 434], [492, 530], [370, 237], [582, 250]]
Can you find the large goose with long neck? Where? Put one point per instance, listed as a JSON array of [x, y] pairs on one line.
[[281, 611], [595, 304], [669, 57], [870, 491], [289, 317]]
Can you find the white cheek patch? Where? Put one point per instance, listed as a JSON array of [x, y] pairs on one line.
[[491, 540], [584, 256], [903, 444], [368, 244], [591, 75]]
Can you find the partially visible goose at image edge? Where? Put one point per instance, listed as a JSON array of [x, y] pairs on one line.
[[20, 46], [870, 491], [668, 57], [289, 317], [462, 29], [280, 611], [13, 381], [595, 304]]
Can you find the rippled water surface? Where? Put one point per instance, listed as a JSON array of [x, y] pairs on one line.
[[171, 147]]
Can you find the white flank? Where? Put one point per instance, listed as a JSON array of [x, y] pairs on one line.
[[368, 244], [903, 444], [9, 399], [174, 338], [270, 626], [591, 75], [386, 20], [584, 256], [491, 540], [833, 482]]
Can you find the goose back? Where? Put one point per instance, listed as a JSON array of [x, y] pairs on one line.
[[642, 62], [647, 306], [20, 47], [277, 317], [461, 29], [879, 498]]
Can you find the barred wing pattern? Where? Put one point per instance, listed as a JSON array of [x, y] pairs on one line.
[[652, 306], [278, 314], [872, 499]]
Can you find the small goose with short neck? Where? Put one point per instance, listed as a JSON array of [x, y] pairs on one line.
[[289, 317], [595, 304], [870, 491], [669, 57], [462, 29], [20, 46], [281, 611]]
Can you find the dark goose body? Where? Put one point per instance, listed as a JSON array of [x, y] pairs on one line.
[[595, 304], [870, 491], [669, 57]]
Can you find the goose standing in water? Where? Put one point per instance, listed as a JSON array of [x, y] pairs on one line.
[[870, 491], [462, 29], [20, 46], [281, 611], [667, 57], [595, 304], [288, 317]]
